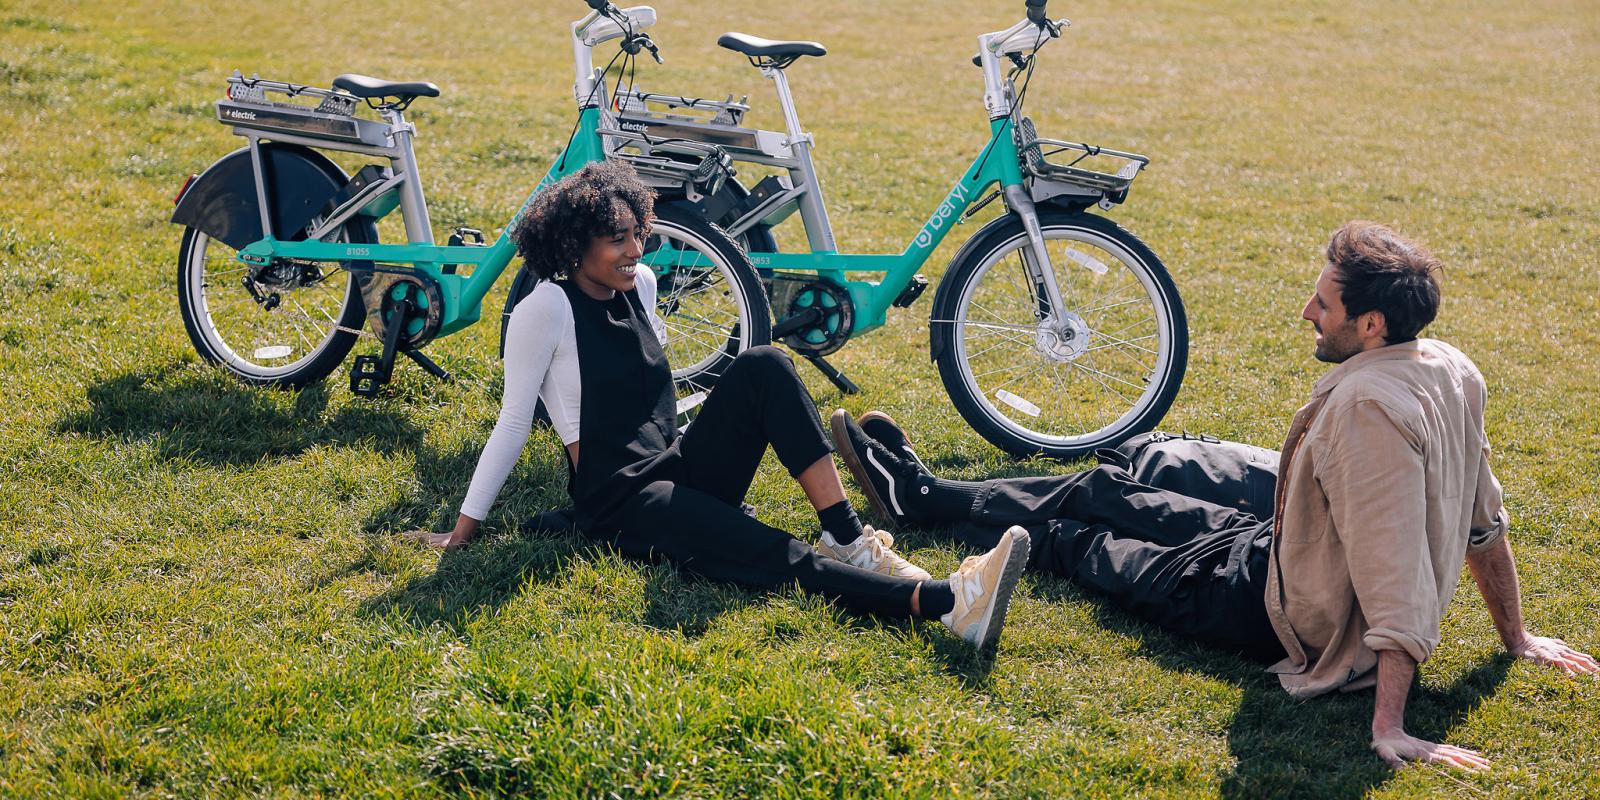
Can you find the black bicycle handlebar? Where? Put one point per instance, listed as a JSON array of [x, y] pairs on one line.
[[1035, 11]]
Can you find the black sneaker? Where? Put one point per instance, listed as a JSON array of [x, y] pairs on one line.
[[882, 427], [885, 478]]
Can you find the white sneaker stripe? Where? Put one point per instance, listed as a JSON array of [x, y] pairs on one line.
[[893, 500]]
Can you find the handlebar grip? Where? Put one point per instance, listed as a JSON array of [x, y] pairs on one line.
[[1035, 11], [600, 5]]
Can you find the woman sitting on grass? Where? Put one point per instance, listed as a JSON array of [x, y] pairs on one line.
[[588, 342]]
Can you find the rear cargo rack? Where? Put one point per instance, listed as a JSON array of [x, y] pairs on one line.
[[251, 105], [721, 112], [670, 162]]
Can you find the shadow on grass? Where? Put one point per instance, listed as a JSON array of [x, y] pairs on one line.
[[208, 416], [1286, 747], [484, 576], [491, 573]]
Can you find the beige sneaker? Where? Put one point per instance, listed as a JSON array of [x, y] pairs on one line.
[[873, 551], [982, 587]]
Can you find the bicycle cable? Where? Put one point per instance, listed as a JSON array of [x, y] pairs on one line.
[[562, 164], [1022, 95]]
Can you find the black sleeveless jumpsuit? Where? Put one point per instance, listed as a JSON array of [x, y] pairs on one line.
[[654, 493]]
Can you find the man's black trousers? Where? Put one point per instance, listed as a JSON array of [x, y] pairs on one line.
[[1194, 567], [690, 513]]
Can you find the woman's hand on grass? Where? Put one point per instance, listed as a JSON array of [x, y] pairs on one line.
[[1554, 653], [438, 540], [466, 528]]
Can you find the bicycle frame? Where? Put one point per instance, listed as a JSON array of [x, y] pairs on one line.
[[462, 293], [997, 164]]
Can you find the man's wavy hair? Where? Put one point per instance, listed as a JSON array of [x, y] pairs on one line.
[[1380, 270], [557, 229]]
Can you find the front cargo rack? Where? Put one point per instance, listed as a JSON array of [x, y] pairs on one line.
[[1036, 152], [248, 106]]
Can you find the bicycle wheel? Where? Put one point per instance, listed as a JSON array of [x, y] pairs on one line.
[[1032, 382], [292, 341], [707, 294]]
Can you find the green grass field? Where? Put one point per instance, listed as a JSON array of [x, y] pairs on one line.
[[201, 593]]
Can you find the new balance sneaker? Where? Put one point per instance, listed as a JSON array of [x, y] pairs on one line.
[[873, 551], [882, 427], [885, 478], [982, 587]]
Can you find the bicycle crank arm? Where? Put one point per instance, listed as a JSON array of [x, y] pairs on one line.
[[1044, 273], [789, 325]]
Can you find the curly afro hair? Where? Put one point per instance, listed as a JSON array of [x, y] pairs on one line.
[[558, 227]]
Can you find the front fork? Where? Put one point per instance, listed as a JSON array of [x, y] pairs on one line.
[[1038, 264]]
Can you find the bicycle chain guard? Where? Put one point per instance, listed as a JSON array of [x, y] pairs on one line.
[[381, 290], [828, 306]]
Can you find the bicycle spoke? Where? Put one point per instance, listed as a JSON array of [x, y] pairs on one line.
[[1024, 341], [1086, 311], [1125, 327], [678, 324], [308, 318], [1122, 343], [1029, 374], [1093, 372], [997, 345], [1023, 365], [1110, 293]]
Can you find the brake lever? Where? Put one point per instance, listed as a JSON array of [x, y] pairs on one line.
[[655, 52], [641, 41]]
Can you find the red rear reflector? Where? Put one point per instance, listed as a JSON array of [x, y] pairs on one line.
[[186, 182]]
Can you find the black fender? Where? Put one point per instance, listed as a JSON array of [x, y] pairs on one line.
[[222, 204], [720, 207], [939, 334]]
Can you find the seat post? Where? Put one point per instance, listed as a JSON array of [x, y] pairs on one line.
[[414, 207], [813, 212]]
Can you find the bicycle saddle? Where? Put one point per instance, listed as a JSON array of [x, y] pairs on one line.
[[757, 47], [366, 87]]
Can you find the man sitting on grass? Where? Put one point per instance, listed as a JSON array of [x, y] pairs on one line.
[[1384, 490]]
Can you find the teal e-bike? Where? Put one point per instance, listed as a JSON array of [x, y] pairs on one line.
[[280, 269], [1055, 330]]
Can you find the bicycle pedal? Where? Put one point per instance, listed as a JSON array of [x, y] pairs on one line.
[[368, 375], [913, 290]]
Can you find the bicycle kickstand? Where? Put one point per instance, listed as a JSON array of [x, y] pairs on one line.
[[428, 364], [832, 373]]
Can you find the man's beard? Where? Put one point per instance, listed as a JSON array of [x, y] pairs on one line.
[[1338, 345]]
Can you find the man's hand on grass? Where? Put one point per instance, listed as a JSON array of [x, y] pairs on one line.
[[1554, 653], [1396, 747]]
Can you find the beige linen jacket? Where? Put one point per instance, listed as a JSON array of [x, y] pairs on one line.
[[1384, 486]]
